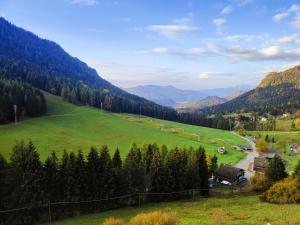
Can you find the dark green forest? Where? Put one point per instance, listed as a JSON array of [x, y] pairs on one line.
[[26, 182], [29, 101]]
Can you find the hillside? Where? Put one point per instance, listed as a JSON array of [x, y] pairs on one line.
[[200, 104], [45, 65], [277, 93], [73, 127], [169, 95], [239, 210]]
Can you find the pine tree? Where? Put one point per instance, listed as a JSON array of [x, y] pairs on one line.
[[276, 170], [50, 178], [203, 171], [4, 190], [26, 185], [267, 138], [63, 176], [81, 175], [214, 164], [192, 176], [118, 177], [92, 167], [134, 171], [107, 172]]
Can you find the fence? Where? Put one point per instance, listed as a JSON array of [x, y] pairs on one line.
[[51, 211]]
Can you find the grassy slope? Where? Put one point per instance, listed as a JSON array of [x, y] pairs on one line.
[[289, 138], [71, 127], [240, 210]]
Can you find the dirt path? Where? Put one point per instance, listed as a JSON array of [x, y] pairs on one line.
[[246, 162]]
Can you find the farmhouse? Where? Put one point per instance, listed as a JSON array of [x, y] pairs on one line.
[[222, 150], [230, 174], [246, 148]]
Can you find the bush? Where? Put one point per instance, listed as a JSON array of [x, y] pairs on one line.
[[113, 221], [259, 182], [242, 132], [262, 146], [283, 192], [155, 218]]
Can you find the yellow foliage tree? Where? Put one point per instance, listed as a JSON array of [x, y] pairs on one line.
[[113, 221], [262, 145], [297, 124], [155, 218]]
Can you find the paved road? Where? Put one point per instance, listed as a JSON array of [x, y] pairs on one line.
[[249, 159]]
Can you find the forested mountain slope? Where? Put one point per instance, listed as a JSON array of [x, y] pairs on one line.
[[45, 65], [202, 103], [277, 93]]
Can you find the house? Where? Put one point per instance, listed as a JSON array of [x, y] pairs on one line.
[[295, 148], [230, 174], [261, 163]]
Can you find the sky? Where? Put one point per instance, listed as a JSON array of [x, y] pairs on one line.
[[190, 44]]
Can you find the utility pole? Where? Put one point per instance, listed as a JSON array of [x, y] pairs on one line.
[[15, 111]]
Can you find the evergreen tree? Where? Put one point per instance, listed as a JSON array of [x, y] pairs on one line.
[[157, 174], [51, 183], [92, 167], [276, 170], [175, 170], [203, 171], [107, 172], [80, 170], [4, 190], [192, 176], [267, 138], [26, 183], [214, 164], [62, 176], [118, 177], [134, 170]]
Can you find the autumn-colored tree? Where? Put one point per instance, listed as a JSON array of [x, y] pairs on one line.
[[262, 145]]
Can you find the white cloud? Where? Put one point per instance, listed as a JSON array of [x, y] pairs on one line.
[[237, 53], [227, 10], [171, 30], [85, 2], [292, 39], [296, 22], [243, 2], [243, 37], [204, 75], [280, 16], [190, 52], [219, 21], [295, 8]]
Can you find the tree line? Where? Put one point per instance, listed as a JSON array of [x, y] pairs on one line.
[[27, 182], [29, 101]]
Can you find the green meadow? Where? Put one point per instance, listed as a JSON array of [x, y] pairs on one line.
[[239, 210], [71, 127]]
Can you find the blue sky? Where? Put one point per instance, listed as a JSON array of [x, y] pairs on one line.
[[190, 44]]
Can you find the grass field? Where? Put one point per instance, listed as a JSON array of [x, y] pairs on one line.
[[71, 127], [239, 210]]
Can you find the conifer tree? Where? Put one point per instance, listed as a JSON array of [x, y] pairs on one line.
[[26, 169], [50, 178], [92, 167], [192, 176], [203, 171], [107, 172], [4, 190], [62, 176], [276, 170], [118, 178]]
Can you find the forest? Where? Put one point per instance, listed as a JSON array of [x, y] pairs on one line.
[[32, 186], [29, 101]]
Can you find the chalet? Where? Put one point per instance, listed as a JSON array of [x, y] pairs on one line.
[[232, 175]]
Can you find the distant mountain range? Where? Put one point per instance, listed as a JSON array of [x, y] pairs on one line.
[[170, 96], [277, 93], [200, 104]]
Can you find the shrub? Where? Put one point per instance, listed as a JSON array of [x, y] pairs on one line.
[[155, 218], [113, 221], [283, 192], [259, 182], [242, 132]]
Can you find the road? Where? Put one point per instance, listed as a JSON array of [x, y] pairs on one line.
[[249, 159]]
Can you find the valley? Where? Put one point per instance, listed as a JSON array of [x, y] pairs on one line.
[[71, 127]]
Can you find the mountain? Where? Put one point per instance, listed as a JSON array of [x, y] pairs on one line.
[[234, 95], [199, 104], [278, 92], [45, 65], [169, 95]]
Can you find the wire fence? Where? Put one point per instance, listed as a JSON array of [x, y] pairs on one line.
[[50, 211]]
